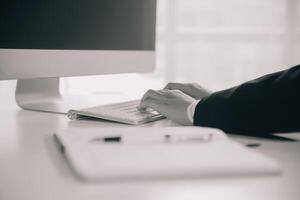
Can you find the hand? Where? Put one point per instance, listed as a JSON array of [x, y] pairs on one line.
[[172, 104], [192, 89]]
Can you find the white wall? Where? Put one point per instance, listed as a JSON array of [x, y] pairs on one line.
[[223, 43]]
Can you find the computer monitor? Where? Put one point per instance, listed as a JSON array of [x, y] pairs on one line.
[[42, 40]]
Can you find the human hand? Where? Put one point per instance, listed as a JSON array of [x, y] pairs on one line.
[[172, 104], [192, 89]]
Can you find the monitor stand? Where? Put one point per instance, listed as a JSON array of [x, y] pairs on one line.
[[41, 94]]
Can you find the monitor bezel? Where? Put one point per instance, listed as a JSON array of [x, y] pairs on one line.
[[41, 63]]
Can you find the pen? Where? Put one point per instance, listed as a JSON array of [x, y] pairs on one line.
[[167, 138]]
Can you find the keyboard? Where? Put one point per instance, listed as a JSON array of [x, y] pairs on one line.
[[124, 112]]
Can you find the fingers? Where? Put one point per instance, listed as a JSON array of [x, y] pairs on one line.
[[152, 94], [158, 100], [151, 99], [185, 88], [176, 86], [170, 103], [192, 89]]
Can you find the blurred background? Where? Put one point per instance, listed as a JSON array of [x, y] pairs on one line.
[[217, 44]]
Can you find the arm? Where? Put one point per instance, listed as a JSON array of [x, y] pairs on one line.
[[265, 105]]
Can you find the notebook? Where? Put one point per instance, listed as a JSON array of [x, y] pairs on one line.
[[98, 154]]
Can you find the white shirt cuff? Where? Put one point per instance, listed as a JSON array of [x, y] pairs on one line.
[[191, 110]]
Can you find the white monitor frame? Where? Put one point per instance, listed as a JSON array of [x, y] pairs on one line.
[[37, 71], [28, 64]]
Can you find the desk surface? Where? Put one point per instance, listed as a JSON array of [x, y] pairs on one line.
[[31, 167]]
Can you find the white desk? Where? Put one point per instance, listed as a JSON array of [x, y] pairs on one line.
[[32, 168]]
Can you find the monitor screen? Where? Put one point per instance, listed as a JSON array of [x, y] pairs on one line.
[[78, 24]]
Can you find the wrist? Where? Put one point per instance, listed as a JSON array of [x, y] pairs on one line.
[[191, 110]]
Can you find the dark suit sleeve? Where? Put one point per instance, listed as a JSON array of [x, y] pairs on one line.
[[269, 104]]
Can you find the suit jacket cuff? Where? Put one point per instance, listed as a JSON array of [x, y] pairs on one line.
[[214, 111]]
